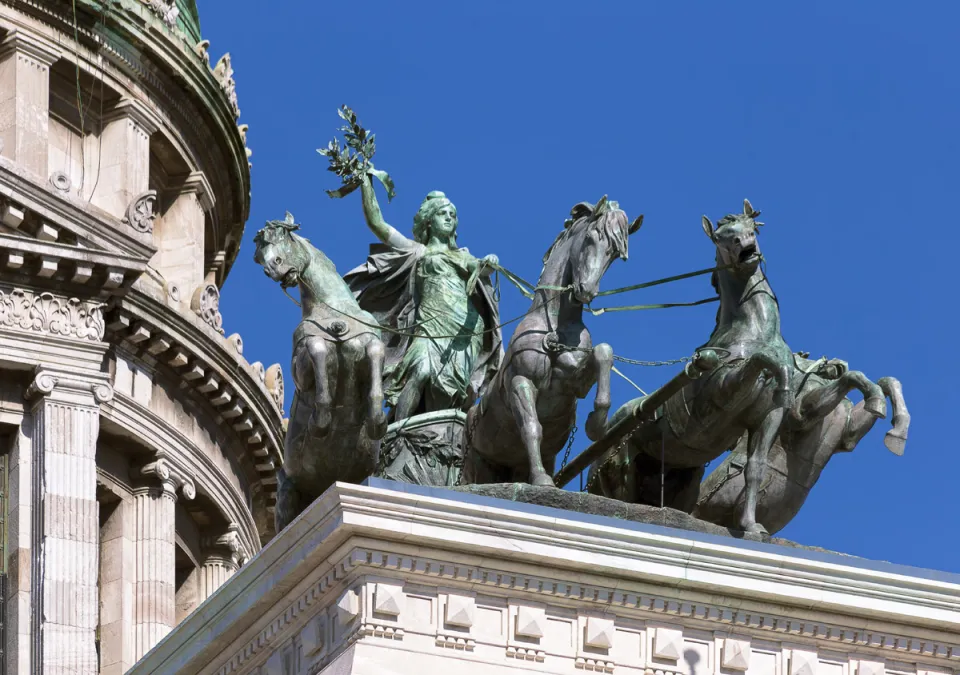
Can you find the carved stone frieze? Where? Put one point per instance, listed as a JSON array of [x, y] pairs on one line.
[[206, 303], [140, 214], [46, 313]]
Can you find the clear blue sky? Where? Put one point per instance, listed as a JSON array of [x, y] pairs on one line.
[[838, 120]]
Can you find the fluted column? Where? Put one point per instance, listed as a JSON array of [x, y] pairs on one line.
[[155, 586], [66, 422], [221, 559], [25, 62]]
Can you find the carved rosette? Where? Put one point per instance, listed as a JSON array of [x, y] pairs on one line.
[[140, 215], [206, 303], [46, 313], [61, 181]]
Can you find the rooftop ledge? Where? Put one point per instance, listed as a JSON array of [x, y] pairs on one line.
[[441, 537]]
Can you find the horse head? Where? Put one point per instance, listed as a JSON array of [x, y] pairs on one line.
[[596, 235], [735, 237], [279, 251]]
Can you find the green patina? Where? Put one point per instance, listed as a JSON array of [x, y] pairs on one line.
[[189, 19]]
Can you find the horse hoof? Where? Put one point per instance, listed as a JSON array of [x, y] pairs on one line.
[[895, 442], [756, 528], [876, 406], [543, 480]]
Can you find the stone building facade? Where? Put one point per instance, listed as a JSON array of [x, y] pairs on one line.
[[138, 445]]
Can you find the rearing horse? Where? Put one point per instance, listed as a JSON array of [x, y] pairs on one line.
[[527, 412], [337, 417], [750, 393]]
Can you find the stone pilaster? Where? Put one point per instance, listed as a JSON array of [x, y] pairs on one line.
[[117, 579], [155, 587], [25, 63], [221, 559], [179, 233], [125, 157], [65, 525]]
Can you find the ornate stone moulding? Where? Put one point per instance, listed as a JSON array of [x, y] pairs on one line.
[[212, 368], [374, 569], [43, 312]]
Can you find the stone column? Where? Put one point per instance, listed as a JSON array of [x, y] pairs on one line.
[[179, 233], [155, 587], [66, 529], [117, 554], [25, 63], [221, 559], [125, 161]]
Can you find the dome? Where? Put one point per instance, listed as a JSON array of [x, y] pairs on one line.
[[189, 19]]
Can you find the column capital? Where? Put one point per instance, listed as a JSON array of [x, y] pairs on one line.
[[227, 546], [196, 183], [45, 53], [128, 108], [69, 387], [171, 478]]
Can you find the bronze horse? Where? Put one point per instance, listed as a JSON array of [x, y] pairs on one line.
[[526, 414], [751, 392], [803, 447], [337, 417]]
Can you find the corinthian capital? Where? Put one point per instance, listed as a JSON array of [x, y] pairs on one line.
[[171, 478]]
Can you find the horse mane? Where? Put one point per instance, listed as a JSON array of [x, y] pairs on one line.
[[611, 227]]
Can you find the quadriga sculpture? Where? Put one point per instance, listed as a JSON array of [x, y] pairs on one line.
[[751, 392], [337, 417], [526, 414], [803, 447]]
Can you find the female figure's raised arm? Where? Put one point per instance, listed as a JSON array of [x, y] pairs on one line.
[[371, 211]]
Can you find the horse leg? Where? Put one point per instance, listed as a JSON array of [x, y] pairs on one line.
[[288, 501], [815, 404], [318, 352], [896, 438], [758, 449], [523, 403], [597, 419], [376, 421]]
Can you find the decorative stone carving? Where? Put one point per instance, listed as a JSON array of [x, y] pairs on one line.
[[243, 128], [736, 654], [171, 478], [173, 290], [388, 599], [140, 215], [61, 181], [461, 610], [167, 11], [274, 383], [223, 72], [206, 303], [259, 371], [803, 662], [348, 607], [531, 621], [236, 342], [202, 49], [46, 313], [45, 381], [230, 543], [598, 633], [667, 643]]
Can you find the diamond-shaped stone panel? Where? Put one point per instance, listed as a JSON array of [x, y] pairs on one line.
[[871, 668], [803, 662], [348, 607], [312, 636], [388, 599], [598, 633], [667, 643], [461, 610], [736, 654], [531, 621]]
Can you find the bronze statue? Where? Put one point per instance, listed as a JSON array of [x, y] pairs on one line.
[[803, 447], [337, 416], [751, 392], [525, 416]]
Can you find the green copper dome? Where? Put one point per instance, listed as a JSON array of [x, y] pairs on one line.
[[189, 19]]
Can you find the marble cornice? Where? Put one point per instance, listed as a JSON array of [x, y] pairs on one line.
[[355, 537], [187, 459], [103, 231]]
